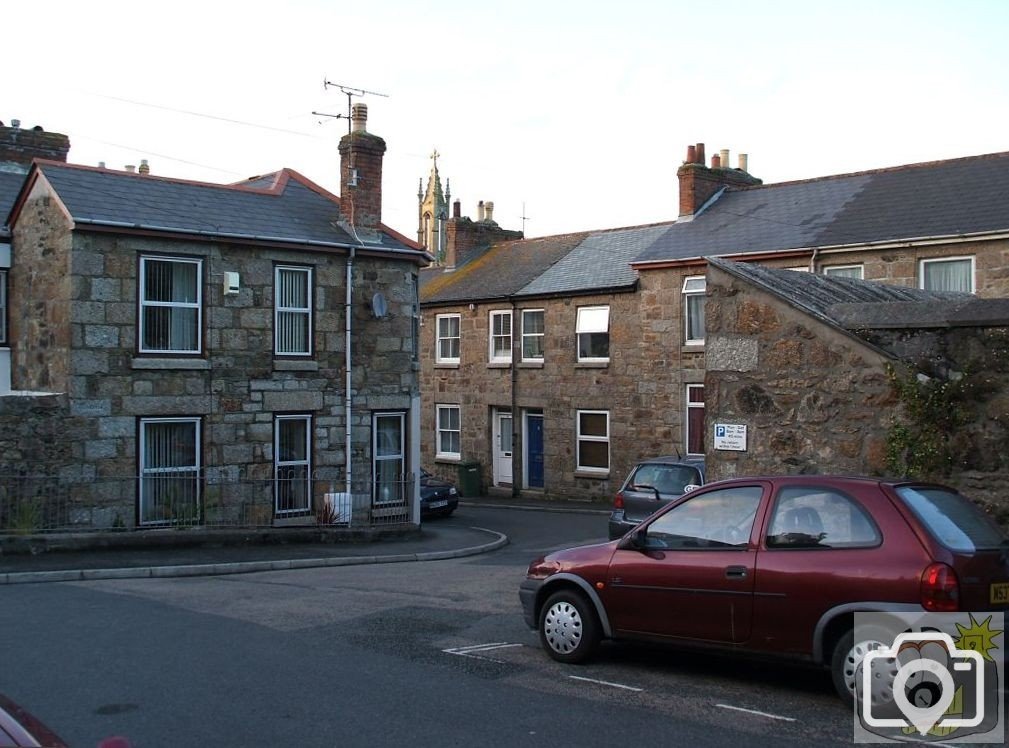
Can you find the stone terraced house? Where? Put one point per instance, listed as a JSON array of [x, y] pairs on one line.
[[555, 363], [194, 353]]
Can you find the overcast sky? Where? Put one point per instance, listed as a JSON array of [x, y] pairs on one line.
[[581, 111]]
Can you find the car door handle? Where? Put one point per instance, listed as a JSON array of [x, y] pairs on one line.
[[735, 572]]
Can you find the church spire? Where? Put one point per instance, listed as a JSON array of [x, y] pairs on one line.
[[433, 212]]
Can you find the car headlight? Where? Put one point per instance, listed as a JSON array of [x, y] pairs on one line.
[[542, 568]]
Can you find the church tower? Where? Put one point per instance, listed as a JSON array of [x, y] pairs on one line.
[[432, 212]]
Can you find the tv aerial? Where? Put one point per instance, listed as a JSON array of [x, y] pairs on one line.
[[350, 92]]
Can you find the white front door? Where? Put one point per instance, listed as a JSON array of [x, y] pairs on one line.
[[502, 449]]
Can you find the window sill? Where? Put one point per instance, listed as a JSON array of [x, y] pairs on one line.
[[598, 475], [592, 365], [693, 348], [499, 364], [284, 364], [446, 366], [446, 460], [530, 365], [167, 364]]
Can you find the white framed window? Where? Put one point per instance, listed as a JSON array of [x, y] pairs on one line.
[[292, 311], [500, 336], [592, 329], [694, 287], [947, 274], [593, 436], [449, 427], [844, 271], [171, 304], [169, 462], [447, 345], [695, 419], [389, 457], [3, 306], [292, 464], [799, 269], [533, 321]]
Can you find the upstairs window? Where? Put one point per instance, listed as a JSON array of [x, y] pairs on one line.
[[593, 331], [293, 311], [844, 271], [947, 274], [693, 309], [532, 334], [500, 337], [170, 305], [447, 347]]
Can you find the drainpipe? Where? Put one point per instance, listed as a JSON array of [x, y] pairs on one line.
[[348, 312], [516, 357]]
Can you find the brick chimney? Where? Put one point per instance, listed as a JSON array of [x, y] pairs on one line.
[[18, 147], [699, 183], [361, 172]]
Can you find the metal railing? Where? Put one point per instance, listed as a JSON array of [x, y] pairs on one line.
[[39, 504]]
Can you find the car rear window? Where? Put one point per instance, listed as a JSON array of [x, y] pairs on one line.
[[954, 521], [666, 478]]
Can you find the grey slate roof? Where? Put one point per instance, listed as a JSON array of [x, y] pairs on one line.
[[943, 198], [10, 185], [587, 262], [283, 207], [838, 301]]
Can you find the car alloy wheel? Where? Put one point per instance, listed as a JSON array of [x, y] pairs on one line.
[[568, 628]]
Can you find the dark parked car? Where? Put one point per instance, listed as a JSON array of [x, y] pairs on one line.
[[651, 485], [19, 728], [438, 498], [773, 566]]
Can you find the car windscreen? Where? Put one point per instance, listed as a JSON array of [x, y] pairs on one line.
[[954, 521], [667, 479]]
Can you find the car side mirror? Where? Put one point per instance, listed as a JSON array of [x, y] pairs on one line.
[[635, 540]]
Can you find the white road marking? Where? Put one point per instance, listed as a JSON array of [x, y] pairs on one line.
[[754, 711], [606, 683], [472, 649]]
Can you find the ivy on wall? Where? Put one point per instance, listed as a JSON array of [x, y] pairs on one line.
[[930, 439]]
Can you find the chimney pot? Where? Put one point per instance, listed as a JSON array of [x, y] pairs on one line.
[[144, 166], [743, 159], [691, 154], [101, 164], [716, 162], [489, 209], [724, 158], [131, 168], [457, 209], [359, 118], [16, 124], [480, 211], [700, 154]]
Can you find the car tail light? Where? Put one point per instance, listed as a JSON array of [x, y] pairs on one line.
[[618, 501], [940, 590]]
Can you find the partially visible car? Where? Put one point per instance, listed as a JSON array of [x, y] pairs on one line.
[[650, 485], [438, 497], [19, 728], [774, 566]]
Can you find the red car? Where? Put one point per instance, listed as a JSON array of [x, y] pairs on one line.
[[774, 565], [19, 728]]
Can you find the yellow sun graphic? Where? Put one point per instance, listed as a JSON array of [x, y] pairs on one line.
[[979, 637]]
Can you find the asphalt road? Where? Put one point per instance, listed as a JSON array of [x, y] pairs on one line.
[[419, 654]]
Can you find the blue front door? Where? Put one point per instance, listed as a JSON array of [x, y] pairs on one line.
[[534, 450]]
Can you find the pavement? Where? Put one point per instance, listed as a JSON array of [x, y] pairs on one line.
[[202, 552]]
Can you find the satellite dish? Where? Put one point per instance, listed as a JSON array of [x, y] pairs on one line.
[[379, 306]]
